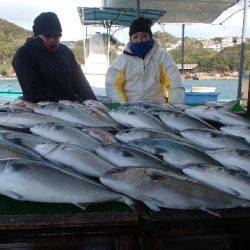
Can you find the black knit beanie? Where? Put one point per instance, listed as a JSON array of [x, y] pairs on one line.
[[141, 24], [47, 23]]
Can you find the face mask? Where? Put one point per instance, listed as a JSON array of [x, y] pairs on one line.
[[141, 49]]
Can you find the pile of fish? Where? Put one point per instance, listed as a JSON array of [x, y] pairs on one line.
[[166, 156]]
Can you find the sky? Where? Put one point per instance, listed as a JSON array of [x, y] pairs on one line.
[[23, 12]]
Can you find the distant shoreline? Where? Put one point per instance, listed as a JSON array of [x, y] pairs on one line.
[[210, 76]]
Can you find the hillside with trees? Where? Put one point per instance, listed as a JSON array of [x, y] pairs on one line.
[[11, 38], [226, 60], [208, 60]]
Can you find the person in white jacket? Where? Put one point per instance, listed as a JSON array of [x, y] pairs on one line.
[[144, 71]]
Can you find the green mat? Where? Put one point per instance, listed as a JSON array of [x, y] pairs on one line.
[[13, 207]]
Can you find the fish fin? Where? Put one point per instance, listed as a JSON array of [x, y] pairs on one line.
[[233, 192], [152, 205], [127, 201], [83, 206], [210, 212], [15, 195]]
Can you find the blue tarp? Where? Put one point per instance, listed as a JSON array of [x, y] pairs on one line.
[[115, 16]]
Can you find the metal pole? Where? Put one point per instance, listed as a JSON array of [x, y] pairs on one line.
[[138, 7], [182, 48], [84, 48], [108, 31], [242, 47]]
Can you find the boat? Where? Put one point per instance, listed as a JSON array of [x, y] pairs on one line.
[[203, 89]]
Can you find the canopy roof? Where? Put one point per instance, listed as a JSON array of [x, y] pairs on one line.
[[179, 11], [114, 16]]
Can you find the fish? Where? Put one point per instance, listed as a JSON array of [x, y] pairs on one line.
[[39, 181], [68, 103], [98, 113], [24, 120], [181, 107], [218, 105], [100, 134], [214, 139], [62, 133], [16, 105], [96, 104], [70, 115], [229, 181], [174, 153], [77, 158], [46, 103], [10, 149], [146, 106], [23, 139], [158, 189], [123, 155], [217, 115], [180, 121], [137, 119], [240, 131], [131, 134], [232, 158]]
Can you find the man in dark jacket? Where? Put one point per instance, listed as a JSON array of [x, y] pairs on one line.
[[46, 69]]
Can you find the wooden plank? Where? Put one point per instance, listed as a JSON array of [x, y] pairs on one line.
[[169, 215], [67, 220]]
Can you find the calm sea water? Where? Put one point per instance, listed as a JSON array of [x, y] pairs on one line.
[[227, 88]]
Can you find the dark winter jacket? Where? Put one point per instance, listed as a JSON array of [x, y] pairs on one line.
[[46, 75]]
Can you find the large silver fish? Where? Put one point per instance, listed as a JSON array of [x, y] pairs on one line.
[[10, 149], [214, 139], [98, 113], [147, 106], [131, 134], [122, 155], [174, 153], [137, 119], [180, 121], [77, 158], [218, 115], [24, 119], [95, 104], [102, 135], [23, 139], [62, 133], [16, 105], [39, 181], [229, 181], [70, 115], [68, 103], [232, 158], [240, 131], [160, 189]]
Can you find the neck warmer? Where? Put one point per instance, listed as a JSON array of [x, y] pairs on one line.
[[141, 49]]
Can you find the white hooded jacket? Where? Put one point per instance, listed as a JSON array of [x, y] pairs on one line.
[[131, 78]]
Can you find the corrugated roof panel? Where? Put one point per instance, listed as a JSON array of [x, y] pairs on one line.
[[179, 11]]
